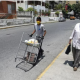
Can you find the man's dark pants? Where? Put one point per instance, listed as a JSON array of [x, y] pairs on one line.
[[40, 40]]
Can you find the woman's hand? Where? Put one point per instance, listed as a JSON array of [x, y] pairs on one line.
[[70, 41]]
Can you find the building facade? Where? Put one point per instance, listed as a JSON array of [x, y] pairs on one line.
[[38, 5], [72, 2], [8, 9]]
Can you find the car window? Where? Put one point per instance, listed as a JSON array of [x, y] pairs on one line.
[[61, 18]]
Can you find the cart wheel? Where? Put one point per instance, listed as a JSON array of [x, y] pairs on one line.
[[25, 70], [15, 59], [34, 64], [16, 66]]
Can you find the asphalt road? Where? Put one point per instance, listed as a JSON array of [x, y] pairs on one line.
[[55, 40]]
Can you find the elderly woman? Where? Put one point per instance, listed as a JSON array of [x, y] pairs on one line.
[[75, 37]]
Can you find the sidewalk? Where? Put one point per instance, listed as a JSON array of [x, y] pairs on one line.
[[12, 26], [61, 69]]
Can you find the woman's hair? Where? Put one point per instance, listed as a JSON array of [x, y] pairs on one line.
[[38, 19]]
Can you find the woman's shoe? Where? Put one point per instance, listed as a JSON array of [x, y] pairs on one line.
[[75, 68]]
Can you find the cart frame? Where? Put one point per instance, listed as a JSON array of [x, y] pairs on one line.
[[26, 52]]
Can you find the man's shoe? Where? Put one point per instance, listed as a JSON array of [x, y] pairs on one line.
[[75, 68]]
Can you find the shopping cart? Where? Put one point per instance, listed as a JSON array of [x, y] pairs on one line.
[[31, 50]]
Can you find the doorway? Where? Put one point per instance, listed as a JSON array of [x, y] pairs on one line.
[[9, 9]]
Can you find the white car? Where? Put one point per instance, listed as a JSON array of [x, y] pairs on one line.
[[61, 19]]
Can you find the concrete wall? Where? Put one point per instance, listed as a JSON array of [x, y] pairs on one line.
[[14, 21], [54, 17], [24, 14], [43, 18], [46, 9], [20, 21]]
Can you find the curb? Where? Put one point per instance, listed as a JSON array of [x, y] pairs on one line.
[[25, 25]]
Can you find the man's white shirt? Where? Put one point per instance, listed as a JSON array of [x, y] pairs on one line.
[[75, 36]]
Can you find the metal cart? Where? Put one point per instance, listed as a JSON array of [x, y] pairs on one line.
[[30, 53]]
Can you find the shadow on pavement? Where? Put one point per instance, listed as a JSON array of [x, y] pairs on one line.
[[69, 62], [23, 65], [38, 60]]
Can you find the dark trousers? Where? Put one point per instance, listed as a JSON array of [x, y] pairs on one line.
[[76, 56], [40, 49]]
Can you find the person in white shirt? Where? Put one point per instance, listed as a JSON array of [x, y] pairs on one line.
[[40, 33], [75, 37]]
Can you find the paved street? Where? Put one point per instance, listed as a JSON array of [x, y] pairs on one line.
[[55, 40]]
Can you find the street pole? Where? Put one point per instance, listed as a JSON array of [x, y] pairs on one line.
[[41, 7], [20, 3], [33, 13]]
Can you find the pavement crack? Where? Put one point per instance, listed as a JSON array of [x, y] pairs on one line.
[[47, 51], [7, 34], [48, 45]]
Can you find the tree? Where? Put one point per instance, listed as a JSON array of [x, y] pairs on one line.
[[47, 5], [76, 8], [49, 13], [57, 13], [65, 12], [31, 9], [43, 12], [59, 6], [73, 7], [69, 7], [20, 9]]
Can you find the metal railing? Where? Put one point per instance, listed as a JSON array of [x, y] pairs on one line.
[[24, 14]]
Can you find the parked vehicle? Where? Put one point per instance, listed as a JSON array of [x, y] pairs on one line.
[[72, 18], [62, 19], [79, 17]]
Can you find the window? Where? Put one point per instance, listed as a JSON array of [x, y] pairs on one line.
[[13, 7], [77, 1], [20, 1]]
